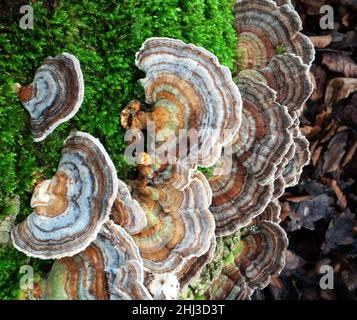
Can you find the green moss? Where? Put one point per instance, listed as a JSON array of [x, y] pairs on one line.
[[229, 259], [280, 49], [226, 248], [11, 261], [104, 35], [208, 172]]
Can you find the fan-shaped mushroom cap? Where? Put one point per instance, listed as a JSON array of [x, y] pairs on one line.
[[70, 209], [55, 94], [288, 156], [264, 137], [189, 90], [179, 227], [110, 268], [127, 212], [264, 28], [262, 254], [279, 187], [289, 77], [192, 268], [271, 213], [128, 282], [294, 168], [237, 198]]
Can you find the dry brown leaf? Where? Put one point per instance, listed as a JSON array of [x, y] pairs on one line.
[[337, 267], [319, 80], [327, 294], [341, 198], [350, 153], [342, 128], [347, 113], [342, 201], [323, 116], [340, 88], [335, 152], [276, 282], [310, 131], [340, 63], [313, 6], [321, 41], [346, 20], [331, 129], [313, 146], [350, 279], [298, 199], [316, 155]]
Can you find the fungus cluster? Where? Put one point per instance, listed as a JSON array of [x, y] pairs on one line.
[[190, 92], [269, 151], [170, 232], [110, 268]]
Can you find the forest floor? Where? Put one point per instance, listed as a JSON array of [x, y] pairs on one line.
[[319, 214]]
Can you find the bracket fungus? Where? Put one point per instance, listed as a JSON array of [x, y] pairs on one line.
[[293, 169], [279, 187], [179, 226], [259, 148], [171, 231], [264, 28], [127, 212], [271, 213], [188, 90], [55, 94], [110, 268], [230, 285], [261, 255], [271, 51], [289, 77], [237, 198], [264, 137], [70, 208]]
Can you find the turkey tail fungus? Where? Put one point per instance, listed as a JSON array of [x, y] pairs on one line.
[[55, 94]]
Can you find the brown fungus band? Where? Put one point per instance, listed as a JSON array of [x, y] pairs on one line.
[[179, 226], [127, 212], [293, 169], [70, 208], [246, 185], [110, 268], [264, 137], [192, 268], [260, 255], [265, 29], [55, 94], [237, 198], [289, 77], [188, 90]]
